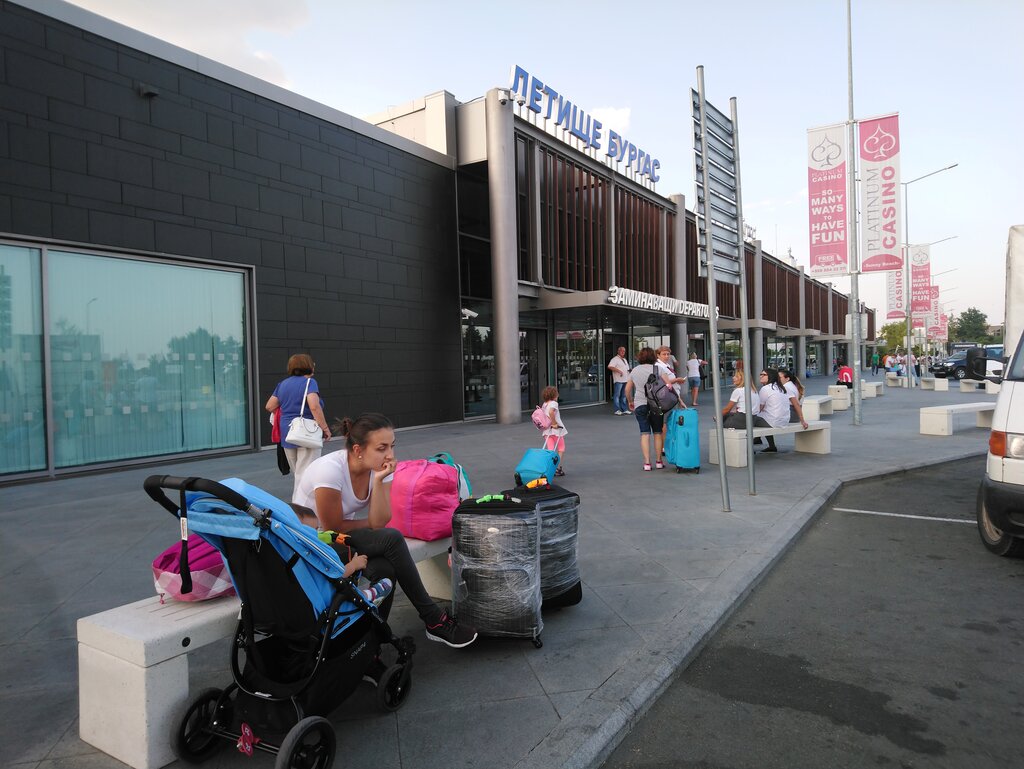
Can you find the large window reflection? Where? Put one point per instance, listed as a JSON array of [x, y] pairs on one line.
[[22, 413], [145, 358], [478, 360], [579, 371]]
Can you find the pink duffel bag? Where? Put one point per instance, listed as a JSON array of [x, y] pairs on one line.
[[423, 497], [208, 574]]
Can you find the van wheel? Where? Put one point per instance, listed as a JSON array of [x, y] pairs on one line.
[[994, 539]]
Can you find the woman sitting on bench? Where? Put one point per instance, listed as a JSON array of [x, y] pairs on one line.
[[350, 492]]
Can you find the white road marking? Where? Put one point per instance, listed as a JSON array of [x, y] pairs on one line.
[[903, 515]]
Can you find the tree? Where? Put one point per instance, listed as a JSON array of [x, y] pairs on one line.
[[970, 326], [895, 335]]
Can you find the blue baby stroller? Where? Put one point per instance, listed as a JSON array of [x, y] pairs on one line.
[[306, 636]]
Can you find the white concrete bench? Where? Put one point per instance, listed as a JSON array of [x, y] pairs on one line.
[[840, 395], [938, 420], [892, 379], [816, 439], [993, 388], [133, 672], [971, 385], [871, 389], [939, 384], [814, 406], [133, 662]]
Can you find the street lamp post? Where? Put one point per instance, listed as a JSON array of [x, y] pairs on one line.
[[906, 261]]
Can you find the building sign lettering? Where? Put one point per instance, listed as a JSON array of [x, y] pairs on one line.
[[544, 100], [644, 301]]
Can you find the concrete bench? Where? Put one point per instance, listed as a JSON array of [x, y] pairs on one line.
[[971, 385], [814, 406], [893, 379], [939, 384], [871, 389], [938, 420], [993, 388], [133, 662], [816, 439], [840, 395]]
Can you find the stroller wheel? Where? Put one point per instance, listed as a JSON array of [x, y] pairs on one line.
[[394, 687], [192, 735], [310, 744]]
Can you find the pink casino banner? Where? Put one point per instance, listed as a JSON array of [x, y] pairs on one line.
[[920, 280], [827, 193], [895, 296], [881, 209]]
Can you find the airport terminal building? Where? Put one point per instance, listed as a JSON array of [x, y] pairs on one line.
[[171, 230]]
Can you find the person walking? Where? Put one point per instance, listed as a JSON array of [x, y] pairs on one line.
[[875, 358], [554, 436], [693, 364], [298, 395], [620, 376], [651, 424]]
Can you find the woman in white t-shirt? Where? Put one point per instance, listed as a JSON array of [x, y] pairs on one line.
[[775, 403], [734, 412], [693, 364], [350, 492], [795, 390]]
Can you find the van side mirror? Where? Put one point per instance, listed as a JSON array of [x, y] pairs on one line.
[[977, 362]]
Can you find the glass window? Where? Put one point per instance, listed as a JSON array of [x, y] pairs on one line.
[[578, 368], [22, 412], [146, 358], [478, 360]]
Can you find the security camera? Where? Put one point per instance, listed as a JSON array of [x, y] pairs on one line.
[[469, 314], [520, 99], [502, 98]]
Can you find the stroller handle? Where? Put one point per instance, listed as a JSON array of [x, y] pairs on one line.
[[154, 485]]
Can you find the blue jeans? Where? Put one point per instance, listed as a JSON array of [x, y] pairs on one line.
[[619, 396]]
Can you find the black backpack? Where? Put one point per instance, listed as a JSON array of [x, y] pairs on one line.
[[660, 396]]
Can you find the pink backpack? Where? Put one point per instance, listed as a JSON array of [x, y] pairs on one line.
[[540, 418], [424, 495], [210, 576]]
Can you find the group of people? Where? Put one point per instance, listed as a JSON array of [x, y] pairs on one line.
[[348, 493], [776, 403]]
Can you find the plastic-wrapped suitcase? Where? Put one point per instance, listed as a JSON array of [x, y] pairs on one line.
[[496, 566], [559, 511], [682, 440]]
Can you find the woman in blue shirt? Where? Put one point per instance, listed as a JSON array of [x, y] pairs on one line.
[[288, 396]]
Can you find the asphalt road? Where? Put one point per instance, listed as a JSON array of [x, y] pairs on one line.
[[877, 641]]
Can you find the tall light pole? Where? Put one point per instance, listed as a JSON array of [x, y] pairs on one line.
[[907, 283], [851, 197]]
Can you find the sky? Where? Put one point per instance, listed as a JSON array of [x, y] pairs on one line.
[[953, 70]]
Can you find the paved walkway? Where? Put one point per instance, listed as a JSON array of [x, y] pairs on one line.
[[662, 567]]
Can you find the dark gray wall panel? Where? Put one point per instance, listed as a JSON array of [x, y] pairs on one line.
[[353, 241]]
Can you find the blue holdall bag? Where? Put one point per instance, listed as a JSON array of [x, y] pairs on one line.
[[536, 463]]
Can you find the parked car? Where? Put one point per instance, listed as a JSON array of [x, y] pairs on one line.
[[1000, 507], [953, 367]]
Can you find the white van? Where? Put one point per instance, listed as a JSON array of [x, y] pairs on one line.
[[1001, 496]]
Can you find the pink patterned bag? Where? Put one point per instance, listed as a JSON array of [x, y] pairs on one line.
[[424, 495], [209, 573]]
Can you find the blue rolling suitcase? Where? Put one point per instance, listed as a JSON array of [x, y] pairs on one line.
[[682, 440], [536, 463]]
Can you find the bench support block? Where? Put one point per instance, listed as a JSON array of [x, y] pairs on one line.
[[126, 710]]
